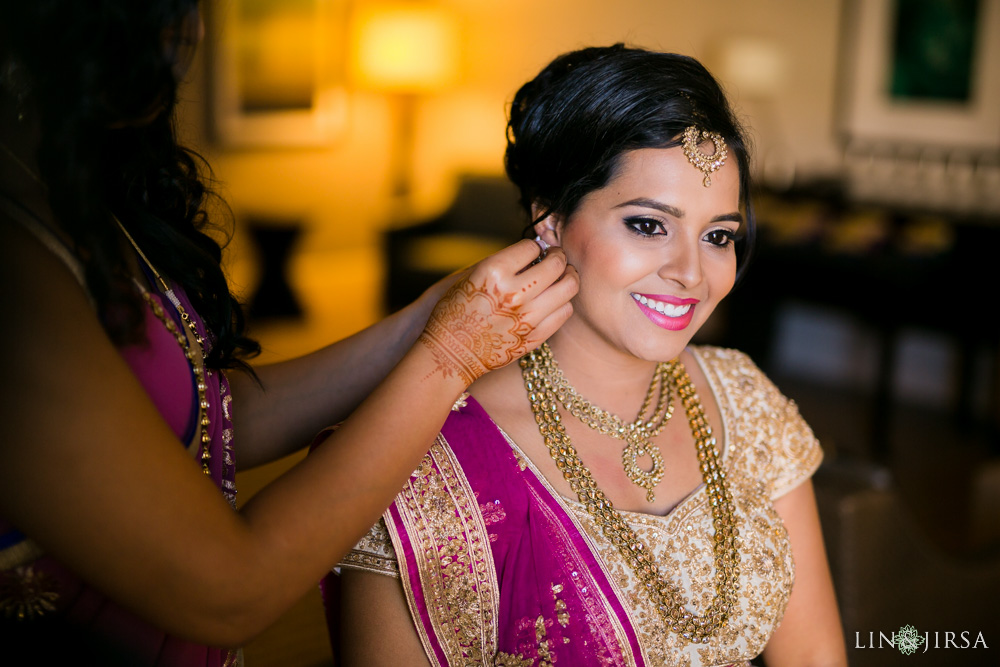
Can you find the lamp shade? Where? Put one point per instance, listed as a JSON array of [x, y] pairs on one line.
[[404, 48]]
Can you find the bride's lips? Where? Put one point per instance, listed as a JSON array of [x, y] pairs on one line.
[[665, 311]]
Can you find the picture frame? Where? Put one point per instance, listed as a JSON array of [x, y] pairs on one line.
[[276, 72], [879, 105]]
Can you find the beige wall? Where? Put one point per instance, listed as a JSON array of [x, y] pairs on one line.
[[340, 190]]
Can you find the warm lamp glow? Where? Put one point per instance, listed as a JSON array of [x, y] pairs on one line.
[[404, 48], [758, 68]]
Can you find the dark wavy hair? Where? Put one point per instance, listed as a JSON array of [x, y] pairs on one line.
[[100, 78], [570, 126]]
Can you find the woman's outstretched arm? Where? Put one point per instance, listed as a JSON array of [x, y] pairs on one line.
[[296, 398], [92, 473]]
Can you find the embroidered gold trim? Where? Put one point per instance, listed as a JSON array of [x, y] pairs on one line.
[[454, 560], [508, 660], [26, 594], [358, 560], [397, 546]]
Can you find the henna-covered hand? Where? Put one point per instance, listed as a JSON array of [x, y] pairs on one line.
[[500, 311]]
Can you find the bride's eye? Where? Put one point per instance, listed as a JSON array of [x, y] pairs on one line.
[[720, 237], [645, 226]]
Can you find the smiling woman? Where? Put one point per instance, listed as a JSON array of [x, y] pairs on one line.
[[654, 233], [623, 497]]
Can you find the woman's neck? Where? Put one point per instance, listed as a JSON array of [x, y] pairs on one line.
[[607, 377]]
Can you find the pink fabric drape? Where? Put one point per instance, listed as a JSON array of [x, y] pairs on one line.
[[524, 585]]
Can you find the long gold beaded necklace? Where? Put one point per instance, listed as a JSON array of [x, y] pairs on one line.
[[541, 379], [190, 342]]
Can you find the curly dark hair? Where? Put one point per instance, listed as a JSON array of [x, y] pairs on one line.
[[101, 80], [569, 126]]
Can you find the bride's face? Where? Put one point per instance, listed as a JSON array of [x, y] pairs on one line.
[[655, 252]]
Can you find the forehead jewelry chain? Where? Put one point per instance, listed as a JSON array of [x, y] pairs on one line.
[[190, 341], [637, 434], [706, 163], [539, 381]]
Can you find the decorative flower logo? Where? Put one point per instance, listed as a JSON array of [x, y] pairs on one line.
[[908, 640]]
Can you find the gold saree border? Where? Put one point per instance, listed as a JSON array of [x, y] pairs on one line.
[[455, 566]]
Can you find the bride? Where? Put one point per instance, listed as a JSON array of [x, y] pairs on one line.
[[619, 497]]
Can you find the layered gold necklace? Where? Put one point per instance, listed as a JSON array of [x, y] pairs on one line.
[[637, 434], [543, 381]]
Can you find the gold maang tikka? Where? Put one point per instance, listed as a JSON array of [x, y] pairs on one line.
[[707, 164]]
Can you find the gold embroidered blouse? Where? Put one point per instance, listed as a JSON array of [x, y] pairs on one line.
[[769, 450]]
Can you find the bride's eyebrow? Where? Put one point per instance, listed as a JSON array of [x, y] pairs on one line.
[[730, 217], [652, 203], [645, 202]]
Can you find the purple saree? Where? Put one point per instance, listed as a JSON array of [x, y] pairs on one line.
[[476, 588]]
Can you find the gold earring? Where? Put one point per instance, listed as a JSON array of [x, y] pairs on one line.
[[707, 164]]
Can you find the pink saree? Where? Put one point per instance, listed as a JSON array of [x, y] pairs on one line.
[[476, 587]]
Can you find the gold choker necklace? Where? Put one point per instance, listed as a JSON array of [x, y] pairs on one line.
[[541, 379], [637, 434]]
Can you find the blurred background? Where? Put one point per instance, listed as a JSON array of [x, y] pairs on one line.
[[359, 146]]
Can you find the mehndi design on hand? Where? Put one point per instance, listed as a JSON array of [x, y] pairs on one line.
[[474, 330]]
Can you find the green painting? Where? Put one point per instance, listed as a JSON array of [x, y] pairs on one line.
[[933, 50]]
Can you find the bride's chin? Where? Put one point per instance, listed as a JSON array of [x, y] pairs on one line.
[[663, 350]]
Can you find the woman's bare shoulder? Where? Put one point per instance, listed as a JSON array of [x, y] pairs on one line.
[[32, 269]]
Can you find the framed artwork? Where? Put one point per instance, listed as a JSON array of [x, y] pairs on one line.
[[921, 72], [276, 71]]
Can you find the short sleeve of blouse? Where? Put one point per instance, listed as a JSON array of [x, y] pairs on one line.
[[776, 444], [373, 553], [797, 453]]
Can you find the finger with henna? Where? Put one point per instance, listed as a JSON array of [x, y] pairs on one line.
[[553, 306], [488, 318]]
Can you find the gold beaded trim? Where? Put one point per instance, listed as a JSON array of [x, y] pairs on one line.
[[706, 163], [195, 358], [637, 434], [190, 342], [540, 383]]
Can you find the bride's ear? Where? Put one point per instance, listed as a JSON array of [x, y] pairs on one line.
[[549, 228]]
